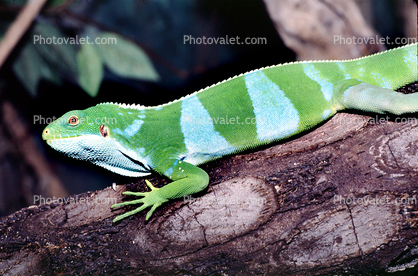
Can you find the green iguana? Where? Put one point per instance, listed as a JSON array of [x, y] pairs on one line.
[[241, 113]]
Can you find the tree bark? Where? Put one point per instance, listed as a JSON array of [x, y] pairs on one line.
[[323, 30], [339, 200]]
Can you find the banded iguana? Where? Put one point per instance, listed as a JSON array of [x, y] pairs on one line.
[[241, 113]]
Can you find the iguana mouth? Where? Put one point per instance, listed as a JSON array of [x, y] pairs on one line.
[[135, 161], [48, 136], [54, 141], [60, 138]]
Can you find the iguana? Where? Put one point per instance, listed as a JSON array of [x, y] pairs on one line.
[[240, 113]]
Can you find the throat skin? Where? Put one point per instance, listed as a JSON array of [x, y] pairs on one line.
[[244, 112]]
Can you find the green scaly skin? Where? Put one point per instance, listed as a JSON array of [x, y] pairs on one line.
[[253, 109]]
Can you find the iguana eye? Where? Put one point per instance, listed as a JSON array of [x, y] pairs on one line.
[[73, 120], [104, 131]]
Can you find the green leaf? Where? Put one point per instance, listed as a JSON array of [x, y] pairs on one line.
[[30, 68], [90, 69], [55, 48], [125, 58], [26, 68]]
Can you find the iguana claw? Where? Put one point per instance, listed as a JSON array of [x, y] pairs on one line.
[[151, 198]]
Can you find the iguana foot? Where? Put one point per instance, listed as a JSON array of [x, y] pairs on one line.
[[152, 198]]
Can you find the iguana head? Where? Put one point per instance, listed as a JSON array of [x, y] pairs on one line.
[[87, 135]]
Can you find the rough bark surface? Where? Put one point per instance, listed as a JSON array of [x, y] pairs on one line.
[[339, 200], [319, 29]]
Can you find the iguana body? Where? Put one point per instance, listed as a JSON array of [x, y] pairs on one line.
[[243, 112]]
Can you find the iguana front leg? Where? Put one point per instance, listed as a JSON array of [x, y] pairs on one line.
[[187, 179]]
